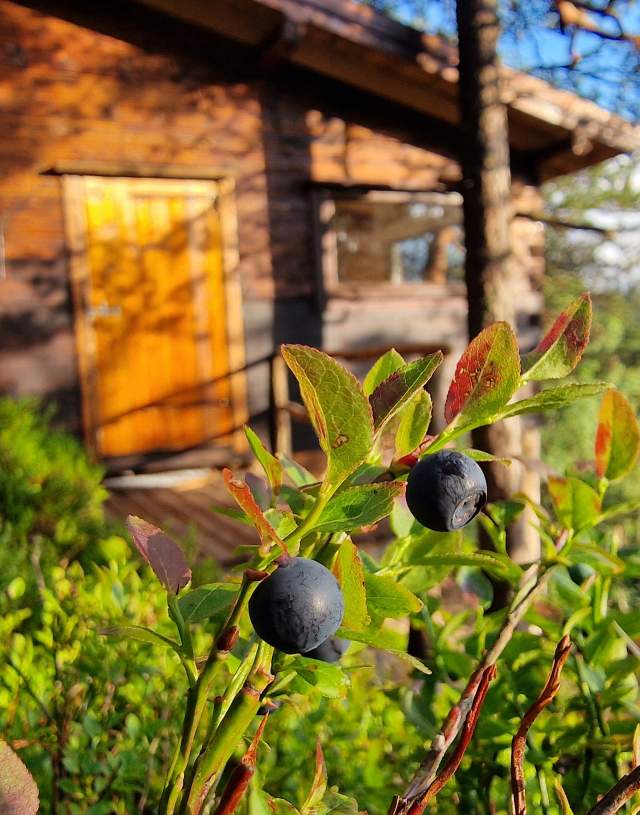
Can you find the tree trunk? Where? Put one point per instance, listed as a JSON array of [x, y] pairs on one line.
[[487, 220]]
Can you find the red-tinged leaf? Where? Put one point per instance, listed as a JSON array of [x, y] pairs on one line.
[[577, 505], [247, 502], [161, 552], [617, 437], [486, 377], [561, 349], [400, 387], [318, 785], [18, 790]]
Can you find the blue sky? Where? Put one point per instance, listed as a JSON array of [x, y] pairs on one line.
[[608, 72]]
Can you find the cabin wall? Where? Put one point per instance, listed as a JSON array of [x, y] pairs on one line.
[[105, 92]]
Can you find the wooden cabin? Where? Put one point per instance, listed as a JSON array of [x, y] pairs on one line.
[[186, 184]]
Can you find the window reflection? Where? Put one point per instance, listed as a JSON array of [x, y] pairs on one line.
[[409, 240]]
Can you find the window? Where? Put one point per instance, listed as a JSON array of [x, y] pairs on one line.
[[395, 238]]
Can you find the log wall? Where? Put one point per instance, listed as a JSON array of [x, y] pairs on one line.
[[131, 88]]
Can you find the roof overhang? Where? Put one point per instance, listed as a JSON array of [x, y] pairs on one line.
[[552, 130]]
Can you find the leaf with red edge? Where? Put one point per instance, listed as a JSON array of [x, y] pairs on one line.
[[486, 377], [161, 552], [561, 349], [315, 795], [245, 500], [18, 790], [398, 389], [577, 505], [617, 437]]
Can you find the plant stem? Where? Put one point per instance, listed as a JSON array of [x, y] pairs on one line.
[[213, 758], [197, 699]]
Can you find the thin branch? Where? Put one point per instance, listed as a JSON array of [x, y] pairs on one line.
[[241, 776], [468, 729], [618, 796], [531, 583], [518, 746]]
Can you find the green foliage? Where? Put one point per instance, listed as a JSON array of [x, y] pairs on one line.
[[50, 494], [103, 699]]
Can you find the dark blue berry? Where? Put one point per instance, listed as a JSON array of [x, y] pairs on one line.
[[331, 650], [446, 490], [297, 607]]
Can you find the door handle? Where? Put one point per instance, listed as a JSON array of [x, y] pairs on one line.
[[104, 309]]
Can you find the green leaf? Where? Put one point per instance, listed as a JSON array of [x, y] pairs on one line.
[[616, 510], [560, 350], [337, 407], [335, 803], [358, 506], [299, 476], [480, 455], [414, 423], [415, 551], [272, 467], [599, 559], [387, 598], [380, 639], [141, 634], [577, 504], [348, 571], [553, 399], [493, 562], [210, 601], [272, 806], [617, 437], [381, 370], [18, 790], [327, 678], [398, 389]]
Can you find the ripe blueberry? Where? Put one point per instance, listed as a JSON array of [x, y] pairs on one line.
[[297, 607], [446, 490], [331, 650]]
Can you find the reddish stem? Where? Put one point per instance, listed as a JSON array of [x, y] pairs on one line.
[[468, 729], [518, 746], [239, 779]]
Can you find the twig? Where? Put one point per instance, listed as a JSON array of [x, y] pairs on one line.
[[468, 728], [618, 795], [518, 746], [241, 776], [531, 583]]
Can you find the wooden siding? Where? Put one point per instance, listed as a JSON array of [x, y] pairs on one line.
[[103, 89]]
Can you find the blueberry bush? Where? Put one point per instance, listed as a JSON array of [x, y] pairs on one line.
[[396, 672]]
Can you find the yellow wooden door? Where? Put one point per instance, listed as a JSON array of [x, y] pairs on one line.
[[155, 314]]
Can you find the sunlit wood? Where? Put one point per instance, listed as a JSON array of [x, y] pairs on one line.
[[156, 314]]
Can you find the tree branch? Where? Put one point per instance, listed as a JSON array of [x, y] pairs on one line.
[[468, 729], [531, 583], [618, 796], [518, 746]]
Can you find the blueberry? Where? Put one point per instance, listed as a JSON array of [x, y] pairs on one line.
[[298, 607], [446, 490], [331, 650]]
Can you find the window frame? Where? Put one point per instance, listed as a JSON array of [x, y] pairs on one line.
[[327, 245]]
